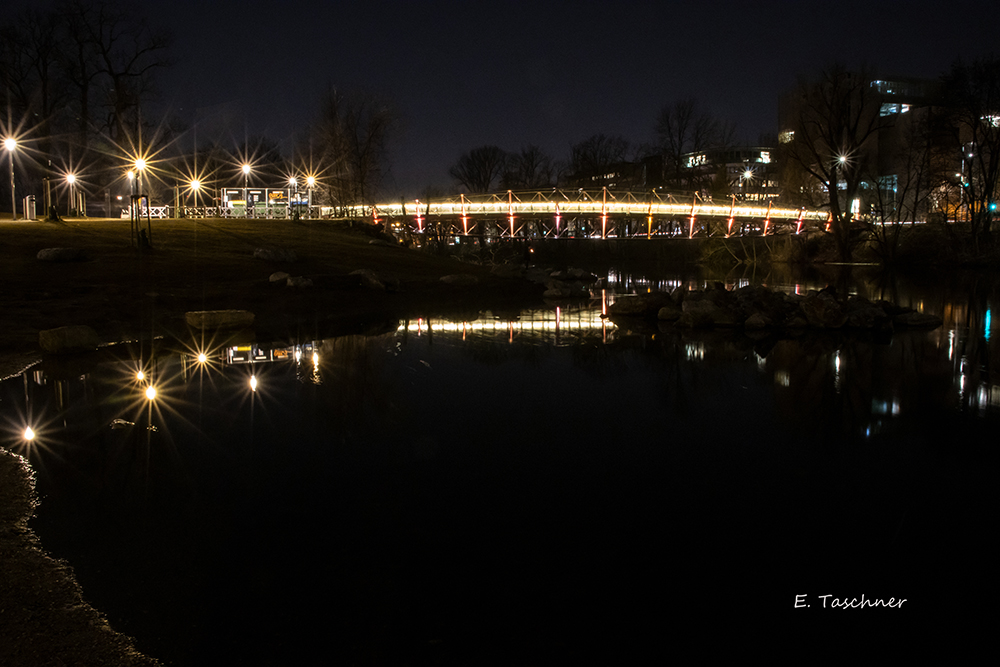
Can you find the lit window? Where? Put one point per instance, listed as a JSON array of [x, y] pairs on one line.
[[765, 157], [786, 137]]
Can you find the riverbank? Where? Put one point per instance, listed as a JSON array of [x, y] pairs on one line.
[[124, 294]]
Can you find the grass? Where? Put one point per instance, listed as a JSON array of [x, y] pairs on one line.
[[208, 264]]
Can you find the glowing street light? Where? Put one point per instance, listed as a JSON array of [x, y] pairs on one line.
[[246, 186], [29, 434], [10, 143], [71, 180], [150, 392], [310, 182]]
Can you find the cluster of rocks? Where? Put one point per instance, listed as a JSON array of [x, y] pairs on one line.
[[570, 283], [757, 308]]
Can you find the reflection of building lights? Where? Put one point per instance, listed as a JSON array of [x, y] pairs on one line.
[[315, 358], [150, 392], [29, 434]]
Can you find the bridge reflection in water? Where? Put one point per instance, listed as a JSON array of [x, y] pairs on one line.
[[589, 214]]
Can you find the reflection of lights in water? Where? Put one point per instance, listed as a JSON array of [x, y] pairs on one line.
[[315, 359], [150, 392], [986, 324], [761, 361], [694, 350], [589, 322], [782, 378], [29, 434], [836, 371]]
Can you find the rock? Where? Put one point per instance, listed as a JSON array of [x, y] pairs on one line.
[[299, 282], [641, 305], [60, 254], [275, 255], [368, 279], [556, 293], [917, 320], [756, 322], [669, 313], [73, 338], [459, 279], [278, 276], [219, 319], [704, 312], [863, 314], [823, 311]]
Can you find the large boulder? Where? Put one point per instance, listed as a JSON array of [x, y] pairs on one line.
[[459, 279], [640, 305], [368, 279], [60, 254], [73, 338], [275, 255], [219, 319], [704, 312], [822, 310]]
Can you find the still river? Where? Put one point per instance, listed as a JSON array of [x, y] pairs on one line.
[[520, 486]]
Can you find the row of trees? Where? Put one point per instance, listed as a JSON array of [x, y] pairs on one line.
[[681, 127], [78, 85]]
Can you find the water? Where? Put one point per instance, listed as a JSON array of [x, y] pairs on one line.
[[521, 487]]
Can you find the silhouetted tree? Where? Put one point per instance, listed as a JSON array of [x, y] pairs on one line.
[[973, 93], [529, 169], [597, 155], [682, 128], [479, 169], [350, 145], [834, 124]]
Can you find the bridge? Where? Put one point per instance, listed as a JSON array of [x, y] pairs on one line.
[[558, 213]]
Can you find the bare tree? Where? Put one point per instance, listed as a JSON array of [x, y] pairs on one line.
[[350, 145], [480, 168], [973, 91], [530, 168], [597, 155], [122, 52], [920, 167], [834, 124], [683, 128]]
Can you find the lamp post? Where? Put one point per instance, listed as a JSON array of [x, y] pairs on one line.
[[71, 180], [246, 194], [310, 181], [10, 144], [195, 187], [293, 195]]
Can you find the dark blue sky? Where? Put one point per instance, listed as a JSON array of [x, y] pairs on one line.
[[464, 74]]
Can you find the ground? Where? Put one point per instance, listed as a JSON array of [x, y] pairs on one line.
[[123, 293]]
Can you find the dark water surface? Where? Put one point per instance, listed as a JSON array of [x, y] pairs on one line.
[[525, 487]]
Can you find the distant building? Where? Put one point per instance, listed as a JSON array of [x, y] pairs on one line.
[[747, 172]]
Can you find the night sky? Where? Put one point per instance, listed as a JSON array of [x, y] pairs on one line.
[[465, 74]]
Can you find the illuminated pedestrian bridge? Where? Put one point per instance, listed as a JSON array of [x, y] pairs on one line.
[[589, 214]]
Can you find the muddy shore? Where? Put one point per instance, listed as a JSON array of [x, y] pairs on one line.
[[123, 294]]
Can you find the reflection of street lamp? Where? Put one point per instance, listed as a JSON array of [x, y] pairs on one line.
[[10, 144], [71, 179]]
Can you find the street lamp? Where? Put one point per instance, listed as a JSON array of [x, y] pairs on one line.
[[71, 179], [310, 181], [10, 144], [140, 164], [246, 194]]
